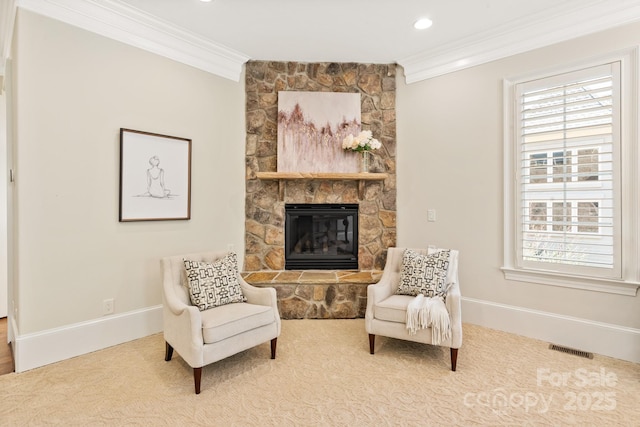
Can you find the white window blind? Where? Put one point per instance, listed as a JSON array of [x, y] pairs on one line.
[[567, 172]]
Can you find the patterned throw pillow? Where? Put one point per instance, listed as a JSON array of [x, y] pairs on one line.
[[424, 274], [214, 284]]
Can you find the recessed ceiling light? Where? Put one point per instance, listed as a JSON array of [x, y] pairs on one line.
[[422, 23], [205, 1]]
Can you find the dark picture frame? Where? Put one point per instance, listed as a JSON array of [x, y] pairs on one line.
[[155, 177]]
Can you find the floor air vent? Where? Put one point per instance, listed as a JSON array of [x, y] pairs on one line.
[[568, 350]]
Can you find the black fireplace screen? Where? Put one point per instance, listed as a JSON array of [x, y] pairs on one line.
[[321, 236]]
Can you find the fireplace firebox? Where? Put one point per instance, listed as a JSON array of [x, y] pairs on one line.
[[321, 236]]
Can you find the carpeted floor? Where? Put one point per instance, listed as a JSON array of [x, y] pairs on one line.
[[324, 376]]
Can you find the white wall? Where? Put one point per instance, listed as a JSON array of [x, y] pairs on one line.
[[450, 158], [3, 206], [74, 90]]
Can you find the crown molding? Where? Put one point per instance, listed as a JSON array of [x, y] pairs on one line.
[[132, 26], [136, 28], [553, 26]]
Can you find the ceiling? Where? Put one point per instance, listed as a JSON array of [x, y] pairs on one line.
[[219, 36], [379, 31]]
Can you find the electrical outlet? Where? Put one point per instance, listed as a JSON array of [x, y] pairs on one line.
[[107, 306], [431, 215]]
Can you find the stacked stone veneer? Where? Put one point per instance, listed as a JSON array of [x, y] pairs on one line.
[[317, 294], [264, 223]]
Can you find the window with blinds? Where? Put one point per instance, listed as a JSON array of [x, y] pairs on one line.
[[567, 143]]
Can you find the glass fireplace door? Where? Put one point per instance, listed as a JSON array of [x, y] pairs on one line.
[[321, 236]]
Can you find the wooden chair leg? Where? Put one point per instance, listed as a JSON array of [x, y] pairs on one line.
[[197, 375], [454, 358], [372, 342], [168, 353], [274, 342]]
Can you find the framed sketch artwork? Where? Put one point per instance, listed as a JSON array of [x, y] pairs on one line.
[[155, 177]]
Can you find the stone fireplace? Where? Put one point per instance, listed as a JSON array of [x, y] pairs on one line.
[[264, 259]]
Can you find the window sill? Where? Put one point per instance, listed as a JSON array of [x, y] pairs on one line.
[[619, 287]]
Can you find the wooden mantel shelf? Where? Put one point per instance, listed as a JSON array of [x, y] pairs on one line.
[[369, 176], [281, 177]]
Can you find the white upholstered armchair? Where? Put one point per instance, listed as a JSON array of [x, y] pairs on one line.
[[386, 312], [204, 337]]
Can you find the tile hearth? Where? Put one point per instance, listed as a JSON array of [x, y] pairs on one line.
[[317, 294]]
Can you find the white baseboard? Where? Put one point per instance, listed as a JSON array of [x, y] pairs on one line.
[[53, 345], [605, 339]]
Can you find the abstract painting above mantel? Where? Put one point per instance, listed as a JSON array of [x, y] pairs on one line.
[[311, 127]]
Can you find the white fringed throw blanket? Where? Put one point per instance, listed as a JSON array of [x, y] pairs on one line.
[[424, 312]]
